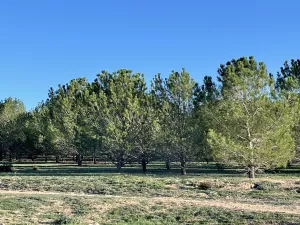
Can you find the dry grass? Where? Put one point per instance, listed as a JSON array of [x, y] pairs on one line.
[[150, 199]]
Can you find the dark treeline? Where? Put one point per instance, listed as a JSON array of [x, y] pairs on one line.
[[249, 117]]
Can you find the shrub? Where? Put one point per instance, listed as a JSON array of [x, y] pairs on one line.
[[204, 185], [266, 185], [6, 167], [64, 219]]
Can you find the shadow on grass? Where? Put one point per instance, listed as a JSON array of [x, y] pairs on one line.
[[97, 171], [46, 169]]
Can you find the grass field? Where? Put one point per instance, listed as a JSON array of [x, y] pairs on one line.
[[97, 194]]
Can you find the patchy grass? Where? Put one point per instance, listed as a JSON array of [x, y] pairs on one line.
[[57, 209], [135, 214], [65, 194]]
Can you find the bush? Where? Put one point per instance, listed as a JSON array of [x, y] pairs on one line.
[[266, 185], [204, 185], [64, 219], [6, 167]]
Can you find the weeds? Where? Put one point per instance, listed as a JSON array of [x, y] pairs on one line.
[[125, 198], [64, 219], [204, 185], [266, 186]]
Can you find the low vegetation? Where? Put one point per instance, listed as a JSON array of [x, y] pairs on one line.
[[96, 194]]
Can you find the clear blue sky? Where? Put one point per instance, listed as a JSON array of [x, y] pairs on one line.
[[45, 43]]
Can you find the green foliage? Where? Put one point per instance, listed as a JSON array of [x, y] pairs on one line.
[[174, 99], [128, 114], [248, 126], [289, 76], [250, 120], [266, 186], [12, 121], [288, 85]]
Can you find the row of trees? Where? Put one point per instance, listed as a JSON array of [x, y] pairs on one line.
[[250, 119]]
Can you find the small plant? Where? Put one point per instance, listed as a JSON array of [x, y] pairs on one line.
[[266, 185], [6, 167], [64, 219], [204, 186]]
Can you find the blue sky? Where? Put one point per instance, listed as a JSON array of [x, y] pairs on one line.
[[46, 43]]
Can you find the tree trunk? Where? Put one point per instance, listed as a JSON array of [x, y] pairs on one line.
[[46, 158], [31, 157], [57, 159], [120, 161], [251, 171], [10, 158], [94, 159], [168, 166], [18, 157], [182, 167], [251, 168], [119, 165], [4, 154], [1, 155], [79, 161], [144, 165]]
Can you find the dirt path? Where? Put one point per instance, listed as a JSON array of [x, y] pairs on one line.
[[228, 204]]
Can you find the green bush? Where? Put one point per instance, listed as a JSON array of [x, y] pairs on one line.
[[266, 186], [204, 186], [64, 219]]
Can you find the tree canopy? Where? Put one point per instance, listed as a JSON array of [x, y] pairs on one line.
[[246, 117]]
